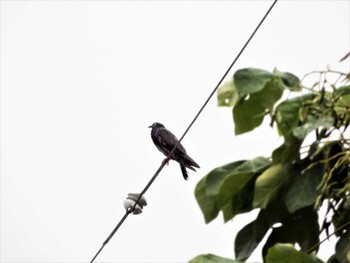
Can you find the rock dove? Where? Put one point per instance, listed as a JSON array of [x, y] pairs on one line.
[[165, 141]]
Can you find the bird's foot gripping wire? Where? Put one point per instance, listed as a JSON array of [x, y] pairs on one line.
[[166, 161]]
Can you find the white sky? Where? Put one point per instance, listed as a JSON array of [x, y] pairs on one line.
[[80, 83]]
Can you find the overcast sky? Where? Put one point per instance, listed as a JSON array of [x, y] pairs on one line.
[[80, 83]]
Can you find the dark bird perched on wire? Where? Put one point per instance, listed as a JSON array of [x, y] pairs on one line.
[[165, 141]]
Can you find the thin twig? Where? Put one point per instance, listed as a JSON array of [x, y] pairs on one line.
[[323, 240]]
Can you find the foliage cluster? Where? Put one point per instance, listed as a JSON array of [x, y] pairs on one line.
[[310, 169]]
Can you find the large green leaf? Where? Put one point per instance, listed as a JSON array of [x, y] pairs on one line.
[[249, 237], [253, 166], [237, 191], [250, 80], [231, 186], [300, 227], [271, 93], [210, 258], [306, 227], [287, 115], [287, 253], [207, 189], [248, 114], [252, 94], [269, 183], [206, 202], [275, 212], [214, 182], [230, 199], [303, 189], [250, 111], [216, 177]]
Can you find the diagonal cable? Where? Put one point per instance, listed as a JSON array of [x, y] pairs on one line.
[[131, 209]]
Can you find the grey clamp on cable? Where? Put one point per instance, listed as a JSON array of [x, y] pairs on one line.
[[130, 201]]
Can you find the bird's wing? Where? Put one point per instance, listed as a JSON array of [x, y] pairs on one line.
[[169, 140]]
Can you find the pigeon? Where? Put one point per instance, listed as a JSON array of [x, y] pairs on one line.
[[165, 141]]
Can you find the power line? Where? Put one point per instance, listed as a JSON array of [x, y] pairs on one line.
[[128, 211], [132, 209]]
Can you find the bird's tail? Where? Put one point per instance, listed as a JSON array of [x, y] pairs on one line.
[[190, 162], [183, 170]]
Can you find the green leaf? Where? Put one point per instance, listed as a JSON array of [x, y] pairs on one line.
[[249, 237], [287, 115], [288, 152], [237, 191], [250, 80], [289, 80], [271, 93], [303, 189], [253, 93], [253, 166], [275, 212], [210, 258], [229, 198], [216, 177], [206, 202], [279, 235], [247, 115], [300, 227], [306, 228], [269, 183], [232, 187], [287, 253], [227, 94], [250, 111], [311, 124]]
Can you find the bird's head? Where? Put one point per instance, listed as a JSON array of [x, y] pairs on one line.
[[156, 125]]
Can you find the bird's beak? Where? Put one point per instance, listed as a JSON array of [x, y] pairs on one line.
[[150, 126]]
